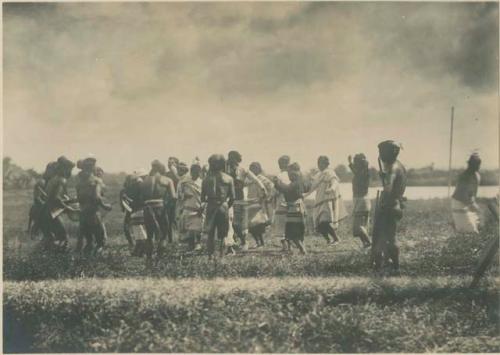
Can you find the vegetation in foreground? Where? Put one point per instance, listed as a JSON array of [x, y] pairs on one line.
[[185, 305], [252, 315]]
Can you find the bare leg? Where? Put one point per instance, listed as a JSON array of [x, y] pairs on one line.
[[300, 245], [261, 238], [332, 232], [126, 230], [324, 231]]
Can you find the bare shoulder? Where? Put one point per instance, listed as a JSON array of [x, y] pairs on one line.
[[100, 181], [226, 178], [166, 180]]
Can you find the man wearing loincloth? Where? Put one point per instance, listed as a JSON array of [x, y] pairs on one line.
[[217, 191], [156, 190]]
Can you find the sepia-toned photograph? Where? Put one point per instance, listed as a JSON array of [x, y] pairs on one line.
[[250, 177]]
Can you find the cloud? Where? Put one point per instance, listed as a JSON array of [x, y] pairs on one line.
[[177, 76]]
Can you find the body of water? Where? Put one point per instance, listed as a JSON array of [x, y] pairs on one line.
[[417, 192]]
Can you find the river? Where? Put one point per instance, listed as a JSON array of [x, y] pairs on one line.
[[417, 192]]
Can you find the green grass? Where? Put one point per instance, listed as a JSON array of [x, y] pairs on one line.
[[258, 301], [428, 244], [252, 315]]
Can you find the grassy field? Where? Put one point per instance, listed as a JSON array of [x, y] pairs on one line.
[[332, 314], [257, 301]]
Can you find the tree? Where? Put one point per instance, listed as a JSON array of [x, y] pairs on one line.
[[343, 173], [6, 164]]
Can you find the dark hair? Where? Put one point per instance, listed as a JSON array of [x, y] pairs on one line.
[[64, 163], [474, 161], [389, 151], [234, 155], [216, 162], [195, 167], [50, 170], [284, 159], [360, 161], [256, 166], [324, 158]]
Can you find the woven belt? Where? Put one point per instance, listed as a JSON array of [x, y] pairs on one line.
[[154, 203]]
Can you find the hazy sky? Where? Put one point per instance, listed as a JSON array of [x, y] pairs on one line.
[[133, 82]]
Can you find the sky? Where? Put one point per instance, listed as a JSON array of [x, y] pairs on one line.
[[133, 82]]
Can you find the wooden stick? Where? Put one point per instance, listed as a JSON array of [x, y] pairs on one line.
[[451, 150]]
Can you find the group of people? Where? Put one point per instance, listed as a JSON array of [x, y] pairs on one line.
[[226, 202], [52, 201]]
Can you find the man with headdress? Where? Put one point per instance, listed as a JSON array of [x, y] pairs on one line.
[[259, 204], [280, 208], [57, 204], [90, 196], [39, 200], [328, 205], [296, 211], [463, 203], [218, 192], [390, 208], [191, 209], [241, 177], [361, 202], [156, 191]]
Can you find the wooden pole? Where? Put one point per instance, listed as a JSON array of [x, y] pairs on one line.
[[451, 151]]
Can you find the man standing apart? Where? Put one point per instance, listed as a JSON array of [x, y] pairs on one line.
[[390, 209]]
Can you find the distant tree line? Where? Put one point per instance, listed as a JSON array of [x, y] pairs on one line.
[[15, 177], [427, 176]]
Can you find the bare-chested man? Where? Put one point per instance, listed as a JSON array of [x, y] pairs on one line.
[[390, 209], [217, 191], [156, 190], [90, 197]]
